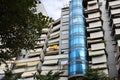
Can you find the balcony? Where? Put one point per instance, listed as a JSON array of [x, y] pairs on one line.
[[54, 33], [34, 63], [95, 35], [94, 41], [115, 11], [55, 52], [117, 33], [53, 41], [57, 27], [50, 62], [116, 20], [45, 72], [40, 43], [118, 43], [48, 68], [92, 2], [28, 74], [90, 30], [25, 69], [92, 6], [99, 66], [97, 46], [45, 30], [27, 62], [44, 36], [95, 24], [61, 56], [96, 53], [99, 59], [50, 57], [113, 3], [35, 52], [94, 15]]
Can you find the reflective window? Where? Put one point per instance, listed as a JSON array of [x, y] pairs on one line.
[[77, 3], [77, 68], [77, 29], [65, 19], [78, 19], [78, 54], [65, 12], [77, 11], [65, 16], [64, 41], [77, 41]]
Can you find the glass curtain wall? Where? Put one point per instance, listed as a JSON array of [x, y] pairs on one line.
[[78, 51]]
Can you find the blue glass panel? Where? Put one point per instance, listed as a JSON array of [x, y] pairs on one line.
[[77, 41], [77, 29], [77, 11], [78, 54], [78, 19], [77, 3], [71, 23], [77, 68]]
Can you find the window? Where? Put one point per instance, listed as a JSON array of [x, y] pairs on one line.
[[65, 16], [64, 32], [64, 41], [65, 12]]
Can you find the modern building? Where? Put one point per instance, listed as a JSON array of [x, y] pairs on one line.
[[113, 7], [87, 34], [53, 60]]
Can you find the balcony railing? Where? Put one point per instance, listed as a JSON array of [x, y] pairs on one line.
[[99, 59], [99, 66], [96, 53], [98, 46]]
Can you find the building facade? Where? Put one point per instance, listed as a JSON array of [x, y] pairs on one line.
[[87, 34], [87, 38]]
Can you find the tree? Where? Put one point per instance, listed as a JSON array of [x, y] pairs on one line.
[[20, 27], [9, 74], [92, 74], [49, 76]]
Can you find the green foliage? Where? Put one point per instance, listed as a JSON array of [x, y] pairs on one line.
[[19, 26], [92, 74], [9, 75], [49, 76]]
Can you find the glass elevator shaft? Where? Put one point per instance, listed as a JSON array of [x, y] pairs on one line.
[[77, 39]]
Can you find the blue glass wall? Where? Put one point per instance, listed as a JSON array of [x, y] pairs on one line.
[[77, 41]]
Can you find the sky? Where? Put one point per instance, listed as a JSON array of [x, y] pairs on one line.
[[53, 7]]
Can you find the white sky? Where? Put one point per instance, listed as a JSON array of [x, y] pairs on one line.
[[53, 7]]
